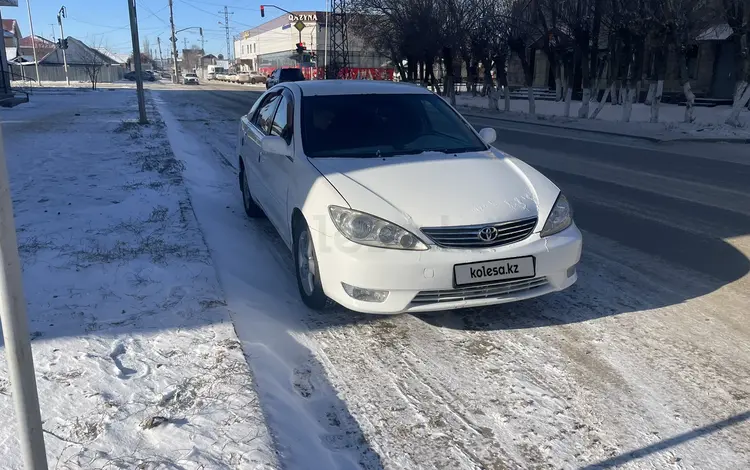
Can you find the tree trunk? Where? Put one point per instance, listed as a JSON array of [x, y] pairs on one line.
[[741, 99], [502, 78], [656, 101], [583, 111], [610, 90], [686, 89], [568, 98], [558, 87], [532, 103], [627, 108], [450, 89], [650, 94]]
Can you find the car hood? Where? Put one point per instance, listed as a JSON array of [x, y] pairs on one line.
[[435, 189]]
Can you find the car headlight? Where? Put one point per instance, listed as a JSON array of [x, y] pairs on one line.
[[367, 229], [560, 218]]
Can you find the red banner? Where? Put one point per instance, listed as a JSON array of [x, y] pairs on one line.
[[352, 73]]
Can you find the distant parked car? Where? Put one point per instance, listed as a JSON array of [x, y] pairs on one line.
[[232, 77], [166, 75], [284, 75], [145, 75], [257, 77], [190, 79]]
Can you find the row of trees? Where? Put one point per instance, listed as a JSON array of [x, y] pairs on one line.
[[613, 45]]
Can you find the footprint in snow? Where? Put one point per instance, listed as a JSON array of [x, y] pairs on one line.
[[122, 372], [302, 383]]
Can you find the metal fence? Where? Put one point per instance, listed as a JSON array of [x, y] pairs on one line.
[[56, 73]]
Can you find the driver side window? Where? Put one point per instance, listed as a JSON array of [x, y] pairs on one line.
[[264, 116], [282, 125]]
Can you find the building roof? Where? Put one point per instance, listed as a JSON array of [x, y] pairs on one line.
[[356, 87], [12, 26], [77, 53], [114, 56], [38, 41]]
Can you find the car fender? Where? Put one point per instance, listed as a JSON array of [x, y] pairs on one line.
[[312, 194]]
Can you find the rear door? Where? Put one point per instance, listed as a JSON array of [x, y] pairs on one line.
[[277, 170]]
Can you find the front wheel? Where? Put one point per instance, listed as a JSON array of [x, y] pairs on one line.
[[307, 270]]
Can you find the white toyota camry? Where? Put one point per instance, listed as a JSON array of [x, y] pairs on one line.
[[391, 202]]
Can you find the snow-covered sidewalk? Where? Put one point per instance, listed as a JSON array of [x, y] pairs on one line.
[[708, 125], [137, 361]]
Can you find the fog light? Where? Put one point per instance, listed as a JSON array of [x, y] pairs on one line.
[[365, 295], [571, 271]]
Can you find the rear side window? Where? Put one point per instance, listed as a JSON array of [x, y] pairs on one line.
[[292, 75]]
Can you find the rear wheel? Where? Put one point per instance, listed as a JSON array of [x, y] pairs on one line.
[[307, 270], [251, 208]]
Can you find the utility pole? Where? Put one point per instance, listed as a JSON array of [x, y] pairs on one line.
[[33, 43], [203, 43], [229, 36], [161, 59], [184, 42], [15, 326], [137, 61], [54, 39], [174, 42], [63, 13]]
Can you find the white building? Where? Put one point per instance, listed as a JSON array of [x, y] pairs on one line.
[[272, 45]]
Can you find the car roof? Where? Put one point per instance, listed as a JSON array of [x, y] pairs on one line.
[[357, 87]]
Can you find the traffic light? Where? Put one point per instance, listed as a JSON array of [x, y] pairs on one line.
[[300, 48], [262, 11], [65, 43]]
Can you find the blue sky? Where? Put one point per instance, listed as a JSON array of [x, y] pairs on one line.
[[106, 23]]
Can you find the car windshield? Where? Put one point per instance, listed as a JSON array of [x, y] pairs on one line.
[[383, 125], [191, 75], [291, 75]]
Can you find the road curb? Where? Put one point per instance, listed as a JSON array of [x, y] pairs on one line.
[[473, 112]]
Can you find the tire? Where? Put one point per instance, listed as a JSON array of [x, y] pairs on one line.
[[252, 81], [251, 208], [306, 268]]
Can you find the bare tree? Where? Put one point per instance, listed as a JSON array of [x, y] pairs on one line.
[[737, 15], [522, 32], [93, 61]]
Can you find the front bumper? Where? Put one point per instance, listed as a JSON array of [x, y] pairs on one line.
[[421, 281]]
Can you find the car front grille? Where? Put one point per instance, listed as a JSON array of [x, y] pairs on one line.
[[493, 290], [470, 236]]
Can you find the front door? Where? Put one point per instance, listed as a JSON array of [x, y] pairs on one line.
[[276, 170], [260, 125]]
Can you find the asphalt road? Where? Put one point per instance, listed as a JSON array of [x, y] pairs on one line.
[[688, 205], [644, 363]]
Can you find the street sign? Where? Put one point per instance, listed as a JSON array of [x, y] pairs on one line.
[[8, 3], [299, 25]]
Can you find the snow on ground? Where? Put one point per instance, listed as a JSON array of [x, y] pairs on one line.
[[709, 122], [640, 365], [138, 364]]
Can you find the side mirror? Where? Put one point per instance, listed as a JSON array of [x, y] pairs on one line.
[[488, 135], [275, 145]]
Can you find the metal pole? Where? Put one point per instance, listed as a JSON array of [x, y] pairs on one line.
[[174, 42], [60, 15], [16, 333], [137, 61], [325, 53], [33, 43]]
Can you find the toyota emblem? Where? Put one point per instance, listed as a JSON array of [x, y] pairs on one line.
[[488, 234]]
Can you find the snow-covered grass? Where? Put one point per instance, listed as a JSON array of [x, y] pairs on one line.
[[709, 122], [137, 361]]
